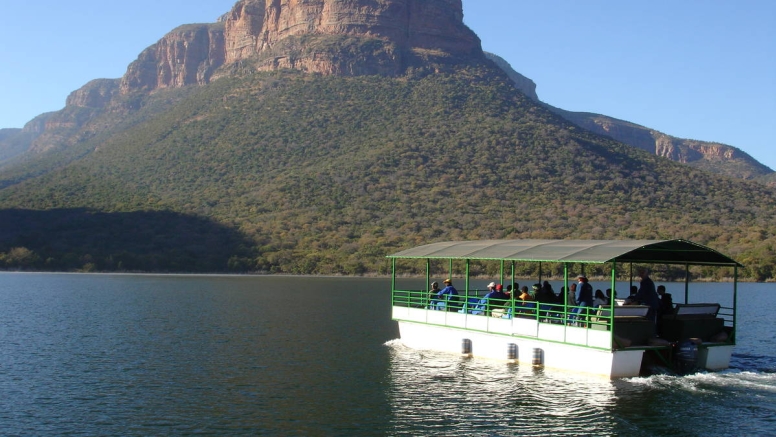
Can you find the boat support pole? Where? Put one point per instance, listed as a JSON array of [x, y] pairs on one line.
[[467, 276], [393, 279], [428, 275], [513, 277], [735, 300], [513, 294], [565, 298], [501, 274], [611, 301], [686, 283]]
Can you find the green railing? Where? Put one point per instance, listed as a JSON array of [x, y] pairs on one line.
[[471, 303], [728, 314]]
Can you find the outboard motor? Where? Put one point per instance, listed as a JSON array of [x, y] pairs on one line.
[[686, 357]]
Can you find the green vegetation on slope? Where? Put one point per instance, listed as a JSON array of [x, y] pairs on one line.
[[324, 174]]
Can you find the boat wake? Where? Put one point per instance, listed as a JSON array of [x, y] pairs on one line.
[[711, 383]]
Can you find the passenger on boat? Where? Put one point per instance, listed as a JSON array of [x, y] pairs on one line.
[[666, 302], [600, 299], [584, 292], [560, 301], [525, 301], [516, 289], [548, 291], [496, 298], [449, 294], [545, 294], [496, 292], [584, 298], [449, 289], [631, 299], [647, 294], [561, 297], [572, 295], [433, 292], [546, 298]]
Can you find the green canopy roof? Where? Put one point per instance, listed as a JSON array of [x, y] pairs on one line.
[[573, 251]]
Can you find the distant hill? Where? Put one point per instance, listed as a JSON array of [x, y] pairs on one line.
[[259, 169], [710, 156]]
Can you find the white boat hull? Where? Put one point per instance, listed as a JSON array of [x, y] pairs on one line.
[[557, 346], [715, 357]]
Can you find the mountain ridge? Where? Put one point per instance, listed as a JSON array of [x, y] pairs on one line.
[[264, 35], [706, 155]]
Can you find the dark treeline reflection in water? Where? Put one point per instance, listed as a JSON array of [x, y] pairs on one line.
[[289, 356]]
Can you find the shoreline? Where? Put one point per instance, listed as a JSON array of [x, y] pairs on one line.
[[366, 276]]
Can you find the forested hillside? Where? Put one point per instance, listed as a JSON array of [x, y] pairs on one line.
[[326, 175]]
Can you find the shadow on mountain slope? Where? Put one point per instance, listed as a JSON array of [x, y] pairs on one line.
[[82, 239]]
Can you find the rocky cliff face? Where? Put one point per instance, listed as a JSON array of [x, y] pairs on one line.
[[95, 94], [715, 157], [188, 55], [676, 149], [254, 26], [310, 35]]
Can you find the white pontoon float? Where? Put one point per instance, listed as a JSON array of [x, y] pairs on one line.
[[554, 334]]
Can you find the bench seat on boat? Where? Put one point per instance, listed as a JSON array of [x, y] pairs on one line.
[[636, 329], [692, 321], [630, 322]]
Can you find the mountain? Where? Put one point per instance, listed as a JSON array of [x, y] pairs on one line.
[[313, 36], [328, 166], [343, 37]]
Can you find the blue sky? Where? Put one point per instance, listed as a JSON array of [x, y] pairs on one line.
[[700, 69]]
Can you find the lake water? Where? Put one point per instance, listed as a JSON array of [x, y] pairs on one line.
[[209, 355]]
